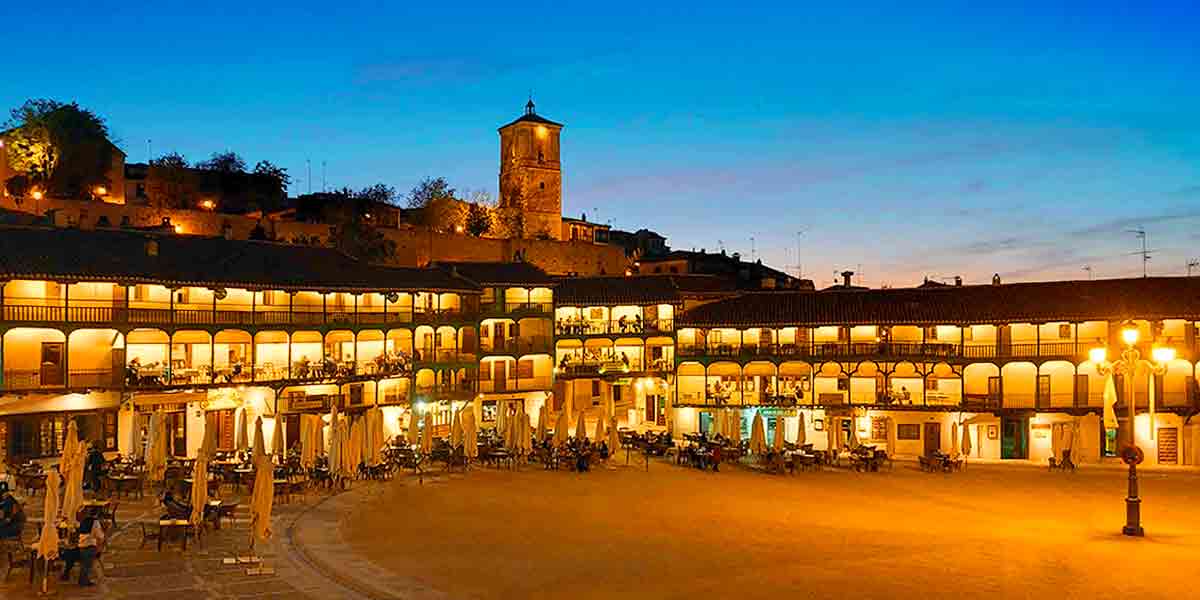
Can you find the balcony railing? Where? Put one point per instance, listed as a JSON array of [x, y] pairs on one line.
[[520, 345], [510, 308], [165, 314], [567, 328], [927, 350], [523, 384]]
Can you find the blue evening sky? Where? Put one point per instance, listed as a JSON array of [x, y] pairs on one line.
[[903, 138]]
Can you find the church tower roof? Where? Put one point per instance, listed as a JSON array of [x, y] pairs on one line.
[[531, 116]]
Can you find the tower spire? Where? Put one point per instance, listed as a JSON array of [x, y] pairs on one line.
[[529, 105]]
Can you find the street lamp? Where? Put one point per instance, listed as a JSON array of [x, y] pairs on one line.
[[1127, 365]]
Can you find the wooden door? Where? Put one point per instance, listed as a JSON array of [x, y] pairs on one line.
[[118, 367], [933, 437], [1081, 390], [995, 391], [52, 364], [1043, 391], [651, 408], [498, 335], [500, 375], [1014, 442], [177, 429]]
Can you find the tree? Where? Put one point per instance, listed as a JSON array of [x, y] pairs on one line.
[[479, 219], [224, 162], [428, 191], [170, 174], [352, 231], [381, 193], [17, 186], [62, 148], [268, 169]]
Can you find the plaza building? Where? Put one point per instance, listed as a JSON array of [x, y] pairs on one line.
[[105, 326]]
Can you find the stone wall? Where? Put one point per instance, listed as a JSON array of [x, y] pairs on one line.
[[414, 246]]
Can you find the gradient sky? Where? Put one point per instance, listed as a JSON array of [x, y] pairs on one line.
[[904, 139]]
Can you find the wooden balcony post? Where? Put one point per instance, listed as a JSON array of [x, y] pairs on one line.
[[253, 308], [214, 309], [324, 308], [67, 301], [291, 314], [356, 322]]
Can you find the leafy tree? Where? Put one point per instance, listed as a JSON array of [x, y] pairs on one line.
[[381, 193], [62, 148], [268, 169], [224, 162], [428, 191], [479, 219], [352, 232], [170, 174]]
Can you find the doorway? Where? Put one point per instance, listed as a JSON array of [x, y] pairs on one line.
[[52, 364], [1014, 438], [933, 437]]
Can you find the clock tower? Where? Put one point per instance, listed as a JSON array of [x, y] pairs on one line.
[[531, 175]]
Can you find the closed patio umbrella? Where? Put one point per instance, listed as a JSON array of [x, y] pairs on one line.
[[335, 448], [199, 485], [543, 416], [512, 426], [891, 437], [156, 449], [853, 443], [260, 446], [526, 434], [71, 467], [801, 432], [47, 543], [136, 449], [954, 440], [599, 430], [831, 431], [470, 433], [1110, 401], [718, 423], [243, 431], [560, 429], [580, 428], [502, 421], [966, 441], [735, 426], [758, 436], [356, 445], [427, 434], [614, 437], [414, 431], [456, 430], [307, 457], [778, 441], [277, 442], [262, 499]]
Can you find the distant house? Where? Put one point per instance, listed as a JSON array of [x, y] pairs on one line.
[[642, 243], [748, 274]]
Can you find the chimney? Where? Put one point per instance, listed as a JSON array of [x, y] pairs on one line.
[[958, 281], [847, 276]]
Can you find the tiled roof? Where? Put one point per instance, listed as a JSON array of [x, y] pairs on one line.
[[532, 118], [1149, 298], [500, 273], [117, 255], [640, 289]]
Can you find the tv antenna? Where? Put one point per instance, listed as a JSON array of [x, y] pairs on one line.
[[753, 249], [1140, 232], [1192, 264], [1088, 268], [799, 268]]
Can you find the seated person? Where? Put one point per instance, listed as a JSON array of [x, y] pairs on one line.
[[91, 543], [175, 508], [12, 514]]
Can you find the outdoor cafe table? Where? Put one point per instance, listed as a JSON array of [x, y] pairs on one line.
[[95, 507], [123, 484], [173, 527]]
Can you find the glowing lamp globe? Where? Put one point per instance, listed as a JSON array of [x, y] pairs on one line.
[[1164, 355], [1098, 355], [1129, 334]]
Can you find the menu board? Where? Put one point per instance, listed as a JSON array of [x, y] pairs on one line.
[[1168, 446]]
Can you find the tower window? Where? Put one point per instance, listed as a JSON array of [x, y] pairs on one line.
[[541, 157], [541, 185]]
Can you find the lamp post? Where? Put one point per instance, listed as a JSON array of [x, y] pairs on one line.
[[1128, 364]]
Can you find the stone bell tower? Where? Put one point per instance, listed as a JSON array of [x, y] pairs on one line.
[[531, 174]]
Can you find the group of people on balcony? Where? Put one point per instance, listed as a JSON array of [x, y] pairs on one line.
[[596, 358], [159, 374], [581, 326]]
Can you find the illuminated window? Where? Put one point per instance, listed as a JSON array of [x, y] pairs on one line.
[[1064, 331]]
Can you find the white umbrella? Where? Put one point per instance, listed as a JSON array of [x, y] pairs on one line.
[[614, 437], [470, 433], [307, 424], [560, 429], [355, 446], [156, 449], [502, 421], [512, 426], [260, 446], [831, 430], [209, 445], [71, 467], [778, 441], [277, 442], [526, 434], [954, 440], [427, 434], [47, 544], [758, 437], [136, 450], [599, 429], [801, 433], [1110, 401], [456, 430], [718, 423], [262, 499], [543, 416], [243, 431], [414, 434], [966, 440], [735, 426], [580, 428], [199, 485], [853, 432], [335, 446]]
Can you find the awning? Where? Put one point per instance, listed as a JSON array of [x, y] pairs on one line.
[[45, 403], [158, 399]]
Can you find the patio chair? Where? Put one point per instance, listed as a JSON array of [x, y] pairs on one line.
[[17, 554]]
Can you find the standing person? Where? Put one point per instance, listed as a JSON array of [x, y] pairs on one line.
[[12, 515], [91, 542], [93, 467]]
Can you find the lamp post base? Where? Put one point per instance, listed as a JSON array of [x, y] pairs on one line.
[[1133, 507]]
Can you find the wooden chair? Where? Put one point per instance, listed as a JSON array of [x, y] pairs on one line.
[[150, 533]]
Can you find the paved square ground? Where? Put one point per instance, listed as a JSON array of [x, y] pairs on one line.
[[672, 532]]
